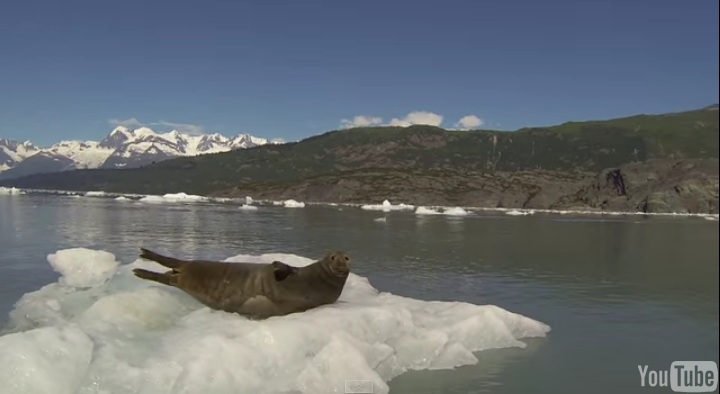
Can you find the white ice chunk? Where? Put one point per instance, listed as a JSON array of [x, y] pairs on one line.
[[387, 206], [183, 197], [128, 335], [455, 211], [174, 197], [82, 267], [293, 204], [426, 211], [10, 191]]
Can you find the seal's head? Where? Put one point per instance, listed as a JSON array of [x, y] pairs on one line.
[[338, 262]]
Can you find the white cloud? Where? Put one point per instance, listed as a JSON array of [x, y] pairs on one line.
[[419, 117], [134, 123], [186, 128], [360, 121], [469, 122], [131, 123]]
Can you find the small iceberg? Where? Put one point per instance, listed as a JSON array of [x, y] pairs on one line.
[[426, 211], [387, 206], [10, 191], [293, 204], [173, 197]]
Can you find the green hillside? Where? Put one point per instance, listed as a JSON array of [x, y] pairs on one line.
[[576, 146]]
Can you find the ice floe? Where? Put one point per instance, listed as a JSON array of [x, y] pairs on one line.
[[99, 329]]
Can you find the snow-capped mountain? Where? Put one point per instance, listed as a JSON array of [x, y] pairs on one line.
[[13, 152], [122, 148]]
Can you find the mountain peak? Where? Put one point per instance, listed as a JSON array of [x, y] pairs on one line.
[[121, 148], [144, 132], [120, 130]]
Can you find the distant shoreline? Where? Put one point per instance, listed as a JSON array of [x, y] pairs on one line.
[[374, 207]]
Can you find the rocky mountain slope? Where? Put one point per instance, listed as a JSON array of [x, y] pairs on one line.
[[652, 163], [122, 148], [13, 152]]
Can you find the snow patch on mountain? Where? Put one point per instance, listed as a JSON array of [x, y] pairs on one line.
[[13, 152], [84, 154], [122, 148]]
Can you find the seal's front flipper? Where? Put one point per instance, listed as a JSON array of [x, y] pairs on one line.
[[282, 270]]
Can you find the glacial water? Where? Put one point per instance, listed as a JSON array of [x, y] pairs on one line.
[[486, 302]]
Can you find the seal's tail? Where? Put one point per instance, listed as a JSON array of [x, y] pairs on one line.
[[163, 260], [154, 276]]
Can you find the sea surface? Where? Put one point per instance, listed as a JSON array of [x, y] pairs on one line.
[[618, 292]]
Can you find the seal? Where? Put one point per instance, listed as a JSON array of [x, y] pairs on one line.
[[255, 290]]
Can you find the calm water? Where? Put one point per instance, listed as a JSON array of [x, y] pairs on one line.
[[617, 292]]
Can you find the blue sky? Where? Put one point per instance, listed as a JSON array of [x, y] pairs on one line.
[[291, 69]]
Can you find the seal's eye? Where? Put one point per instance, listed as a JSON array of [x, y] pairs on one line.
[[347, 258]]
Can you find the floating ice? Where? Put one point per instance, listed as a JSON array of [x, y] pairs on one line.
[[426, 211], [121, 198], [455, 211], [153, 199], [95, 194], [174, 197], [293, 204], [515, 212], [246, 207], [248, 200], [10, 191], [127, 335], [183, 197], [386, 206], [452, 211]]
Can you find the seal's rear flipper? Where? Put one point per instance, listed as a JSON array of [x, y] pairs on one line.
[[282, 270], [154, 276], [164, 260]]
